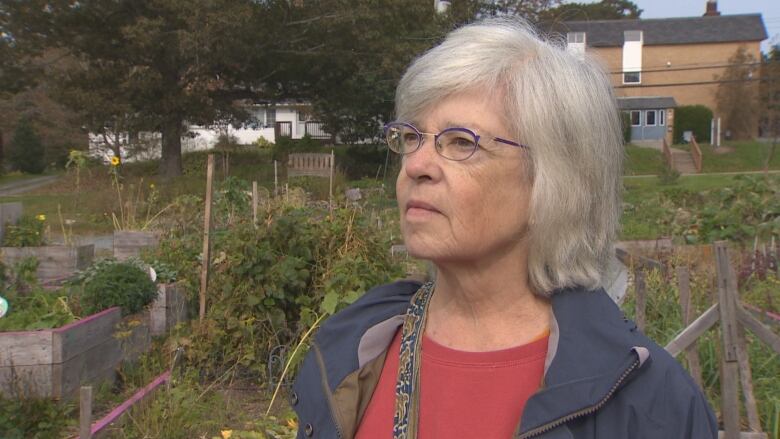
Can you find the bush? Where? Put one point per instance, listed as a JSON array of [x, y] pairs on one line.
[[121, 284], [696, 118], [286, 145], [27, 153], [28, 232], [625, 119]]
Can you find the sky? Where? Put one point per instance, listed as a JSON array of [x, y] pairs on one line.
[[769, 10]]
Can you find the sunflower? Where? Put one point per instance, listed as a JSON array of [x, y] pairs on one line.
[[41, 217], [115, 161]]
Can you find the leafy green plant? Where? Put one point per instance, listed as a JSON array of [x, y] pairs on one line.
[[37, 310], [121, 284], [28, 232], [31, 418]]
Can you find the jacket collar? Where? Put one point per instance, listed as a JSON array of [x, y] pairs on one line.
[[591, 347]]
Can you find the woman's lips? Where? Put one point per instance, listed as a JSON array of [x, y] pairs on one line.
[[420, 209]]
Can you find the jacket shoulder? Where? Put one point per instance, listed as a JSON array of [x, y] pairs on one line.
[[339, 337]]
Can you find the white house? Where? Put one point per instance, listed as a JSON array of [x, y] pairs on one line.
[[269, 121]]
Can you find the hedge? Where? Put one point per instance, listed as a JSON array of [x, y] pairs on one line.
[[696, 118]]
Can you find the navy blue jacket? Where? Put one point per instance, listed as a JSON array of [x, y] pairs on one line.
[[603, 378]]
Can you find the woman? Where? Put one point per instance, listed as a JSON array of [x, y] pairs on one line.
[[510, 185]]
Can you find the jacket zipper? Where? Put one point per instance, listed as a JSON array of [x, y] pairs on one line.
[[583, 412], [326, 389]]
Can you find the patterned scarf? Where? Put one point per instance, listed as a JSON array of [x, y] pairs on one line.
[[407, 388]]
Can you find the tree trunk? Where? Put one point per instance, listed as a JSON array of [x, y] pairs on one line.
[[170, 165]]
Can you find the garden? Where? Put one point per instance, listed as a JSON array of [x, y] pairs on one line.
[[280, 260]]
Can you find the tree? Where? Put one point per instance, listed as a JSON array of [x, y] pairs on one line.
[[154, 65], [603, 10], [27, 149], [769, 91], [737, 95]]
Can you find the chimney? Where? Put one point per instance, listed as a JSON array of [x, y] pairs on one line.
[[712, 9]]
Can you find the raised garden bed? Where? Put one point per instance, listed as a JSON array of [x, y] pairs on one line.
[[55, 262], [55, 362], [168, 309], [129, 243]]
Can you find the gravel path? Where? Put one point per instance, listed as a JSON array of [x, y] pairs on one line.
[[22, 186]]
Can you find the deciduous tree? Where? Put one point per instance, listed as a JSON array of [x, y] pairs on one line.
[[737, 95]]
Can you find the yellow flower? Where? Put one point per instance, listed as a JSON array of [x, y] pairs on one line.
[[41, 217], [226, 434], [115, 161], [292, 423], [151, 186]]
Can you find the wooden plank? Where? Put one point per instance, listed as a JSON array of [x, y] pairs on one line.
[[641, 298], [746, 381], [55, 262], [25, 348], [254, 203], [26, 381], [689, 335], [632, 260], [206, 255], [140, 395], [763, 332], [92, 366], [130, 243], [85, 413], [73, 339], [729, 371], [692, 352]]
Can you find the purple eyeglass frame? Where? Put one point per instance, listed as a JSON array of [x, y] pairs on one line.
[[446, 130]]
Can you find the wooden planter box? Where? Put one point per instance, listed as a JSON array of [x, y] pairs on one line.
[[55, 262], [54, 363], [129, 243], [168, 309]]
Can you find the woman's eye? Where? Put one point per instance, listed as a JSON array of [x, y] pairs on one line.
[[410, 137], [460, 142]]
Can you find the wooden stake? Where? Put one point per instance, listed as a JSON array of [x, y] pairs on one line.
[[641, 298], [254, 203], [204, 272], [85, 412], [276, 179], [746, 381], [330, 192], [729, 371], [692, 352]]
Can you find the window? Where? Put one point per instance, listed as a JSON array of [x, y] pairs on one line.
[[632, 35], [575, 43], [632, 77], [270, 117], [661, 117], [575, 37], [650, 118], [303, 116], [636, 118]]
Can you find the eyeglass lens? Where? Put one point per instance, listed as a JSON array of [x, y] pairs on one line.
[[452, 143]]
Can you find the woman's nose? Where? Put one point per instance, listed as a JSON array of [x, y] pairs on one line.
[[424, 162]]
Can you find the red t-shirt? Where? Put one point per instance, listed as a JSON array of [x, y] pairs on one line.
[[463, 394]]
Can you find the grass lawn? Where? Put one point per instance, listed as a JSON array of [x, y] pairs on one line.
[[642, 161], [15, 176], [736, 156], [650, 222]]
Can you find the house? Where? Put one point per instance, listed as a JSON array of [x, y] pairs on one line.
[[679, 59], [649, 116], [269, 121]]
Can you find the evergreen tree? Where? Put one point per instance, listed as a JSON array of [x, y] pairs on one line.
[[26, 149]]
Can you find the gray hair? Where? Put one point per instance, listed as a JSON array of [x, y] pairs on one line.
[[561, 106]]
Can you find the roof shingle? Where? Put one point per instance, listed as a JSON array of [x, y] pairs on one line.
[[663, 31]]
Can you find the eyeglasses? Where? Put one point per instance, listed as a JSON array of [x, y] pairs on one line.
[[455, 143]]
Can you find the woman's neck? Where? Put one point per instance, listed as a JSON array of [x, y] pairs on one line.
[[485, 305]]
